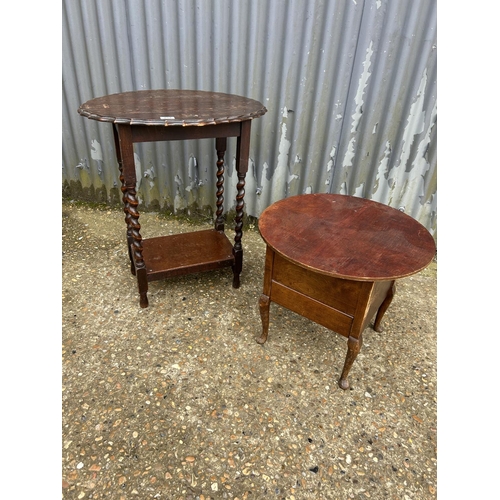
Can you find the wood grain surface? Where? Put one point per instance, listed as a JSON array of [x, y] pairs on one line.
[[171, 107], [347, 237]]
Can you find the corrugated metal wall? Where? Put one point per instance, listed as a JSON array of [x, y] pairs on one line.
[[350, 88]]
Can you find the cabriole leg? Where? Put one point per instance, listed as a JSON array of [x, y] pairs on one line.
[[353, 348], [384, 306], [264, 304]]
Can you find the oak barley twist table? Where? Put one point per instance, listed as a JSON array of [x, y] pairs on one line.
[[334, 259], [170, 115]]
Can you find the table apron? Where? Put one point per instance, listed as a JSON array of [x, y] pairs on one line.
[[153, 133]]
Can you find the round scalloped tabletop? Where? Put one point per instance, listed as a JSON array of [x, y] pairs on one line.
[[170, 107]]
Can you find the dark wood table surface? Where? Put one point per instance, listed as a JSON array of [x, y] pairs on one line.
[[334, 259], [166, 115], [172, 108]]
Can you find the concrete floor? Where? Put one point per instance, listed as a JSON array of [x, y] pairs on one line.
[[178, 401]]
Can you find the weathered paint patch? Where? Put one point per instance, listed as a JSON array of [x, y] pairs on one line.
[[402, 181], [96, 155], [180, 201], [349, 154], [358, 113], [428, 211], [359, 190], [150, 174], [280, 176], [250, 188], [415, 178], [138, 172], [96, 151], [291, 178], [420, 163], [193, 174], [329, 165], [363, 82], [83, 165], [415, 123], [383, 167], [264, 186]]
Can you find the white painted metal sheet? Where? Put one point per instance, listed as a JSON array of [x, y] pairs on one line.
[[350, 88]]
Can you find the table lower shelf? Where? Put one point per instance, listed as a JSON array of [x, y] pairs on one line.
[[186, 253]]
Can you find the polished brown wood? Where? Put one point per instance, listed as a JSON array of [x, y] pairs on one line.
[[170, 115], [334, 259], [172, 108], [179, 254]]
